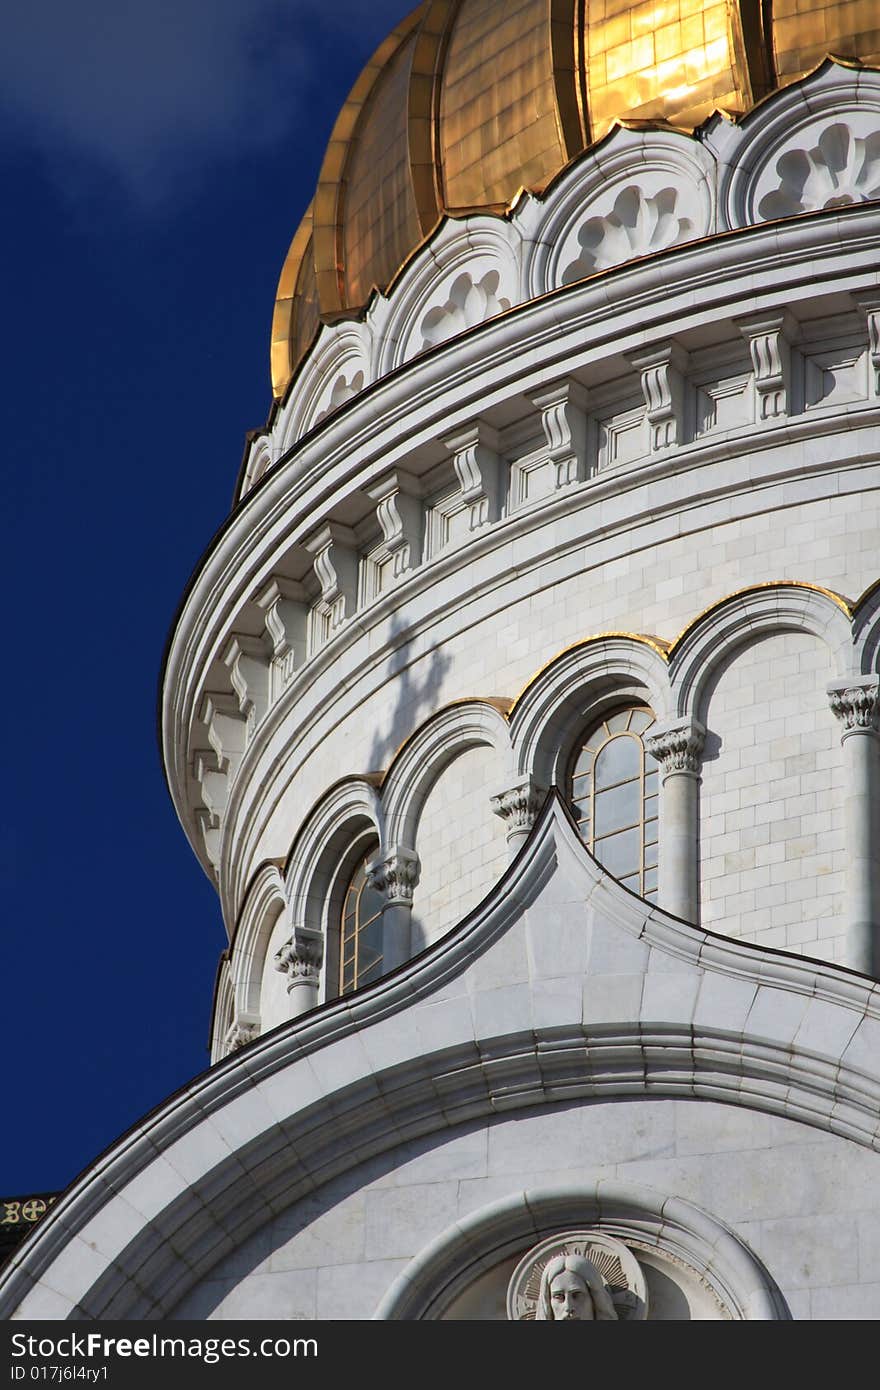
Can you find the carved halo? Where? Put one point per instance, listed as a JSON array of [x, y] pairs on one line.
[[617, 1265]]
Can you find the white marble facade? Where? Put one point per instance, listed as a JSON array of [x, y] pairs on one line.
[[618, 449]]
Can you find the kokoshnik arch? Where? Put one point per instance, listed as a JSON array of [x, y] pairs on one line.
[[525, 711]]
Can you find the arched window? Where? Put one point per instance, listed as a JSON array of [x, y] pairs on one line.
[[614, 794], [360, 931]]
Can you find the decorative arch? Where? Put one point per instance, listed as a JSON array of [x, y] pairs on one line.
[[777, 162], [346, 824], [259, 459], [338, 368], [669, 1225], [348, 814], [866, 631], [265, 900], [424, 756], [781, 606], [468, 272], [223, 1011], [318, 1096], [635, 193], [577, 687]]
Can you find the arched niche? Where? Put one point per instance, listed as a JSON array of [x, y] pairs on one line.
[[695, 1266]]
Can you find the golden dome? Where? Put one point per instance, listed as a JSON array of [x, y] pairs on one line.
[[468, 101]]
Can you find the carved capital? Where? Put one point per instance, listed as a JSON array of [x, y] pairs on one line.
[[300, 958], [662, 377], [563, 420], [239, 1033], [677, 747], [477, 463], [857, 705], [396, 875], [519, 805], [769, 339]]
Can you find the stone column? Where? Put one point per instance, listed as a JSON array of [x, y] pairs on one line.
[[518, 807], [395, 876], [857, 705], [678, 749], [300, 960]]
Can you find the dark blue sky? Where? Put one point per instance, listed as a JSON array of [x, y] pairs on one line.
[[157, 158]]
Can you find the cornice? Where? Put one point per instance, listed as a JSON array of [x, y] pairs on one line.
[[360, 444], [426, 602]]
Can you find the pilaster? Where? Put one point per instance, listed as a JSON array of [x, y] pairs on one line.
[[335, 559], [285, 612], [246, 660]]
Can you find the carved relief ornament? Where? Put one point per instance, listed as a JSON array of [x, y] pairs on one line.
[[578, 1276], [678, 747], [518, 806], [300, 958], [396, 876], [857, 706]]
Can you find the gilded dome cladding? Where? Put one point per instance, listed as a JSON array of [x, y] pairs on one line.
[[469, 101]]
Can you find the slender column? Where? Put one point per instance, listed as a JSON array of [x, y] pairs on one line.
[[300, 960], [518, 807], [678, 749], [395, 876], [857, 705]]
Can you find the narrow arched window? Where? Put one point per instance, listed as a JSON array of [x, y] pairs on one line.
[[360, 934], [614, 794]]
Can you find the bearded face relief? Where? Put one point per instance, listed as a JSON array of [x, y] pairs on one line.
[[577, 1276], [565, 1290]]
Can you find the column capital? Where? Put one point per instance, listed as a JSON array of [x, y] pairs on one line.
[[518, 805], [239, 1033], [300, 958], [395, 875], [856, 703], [678, 746]]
